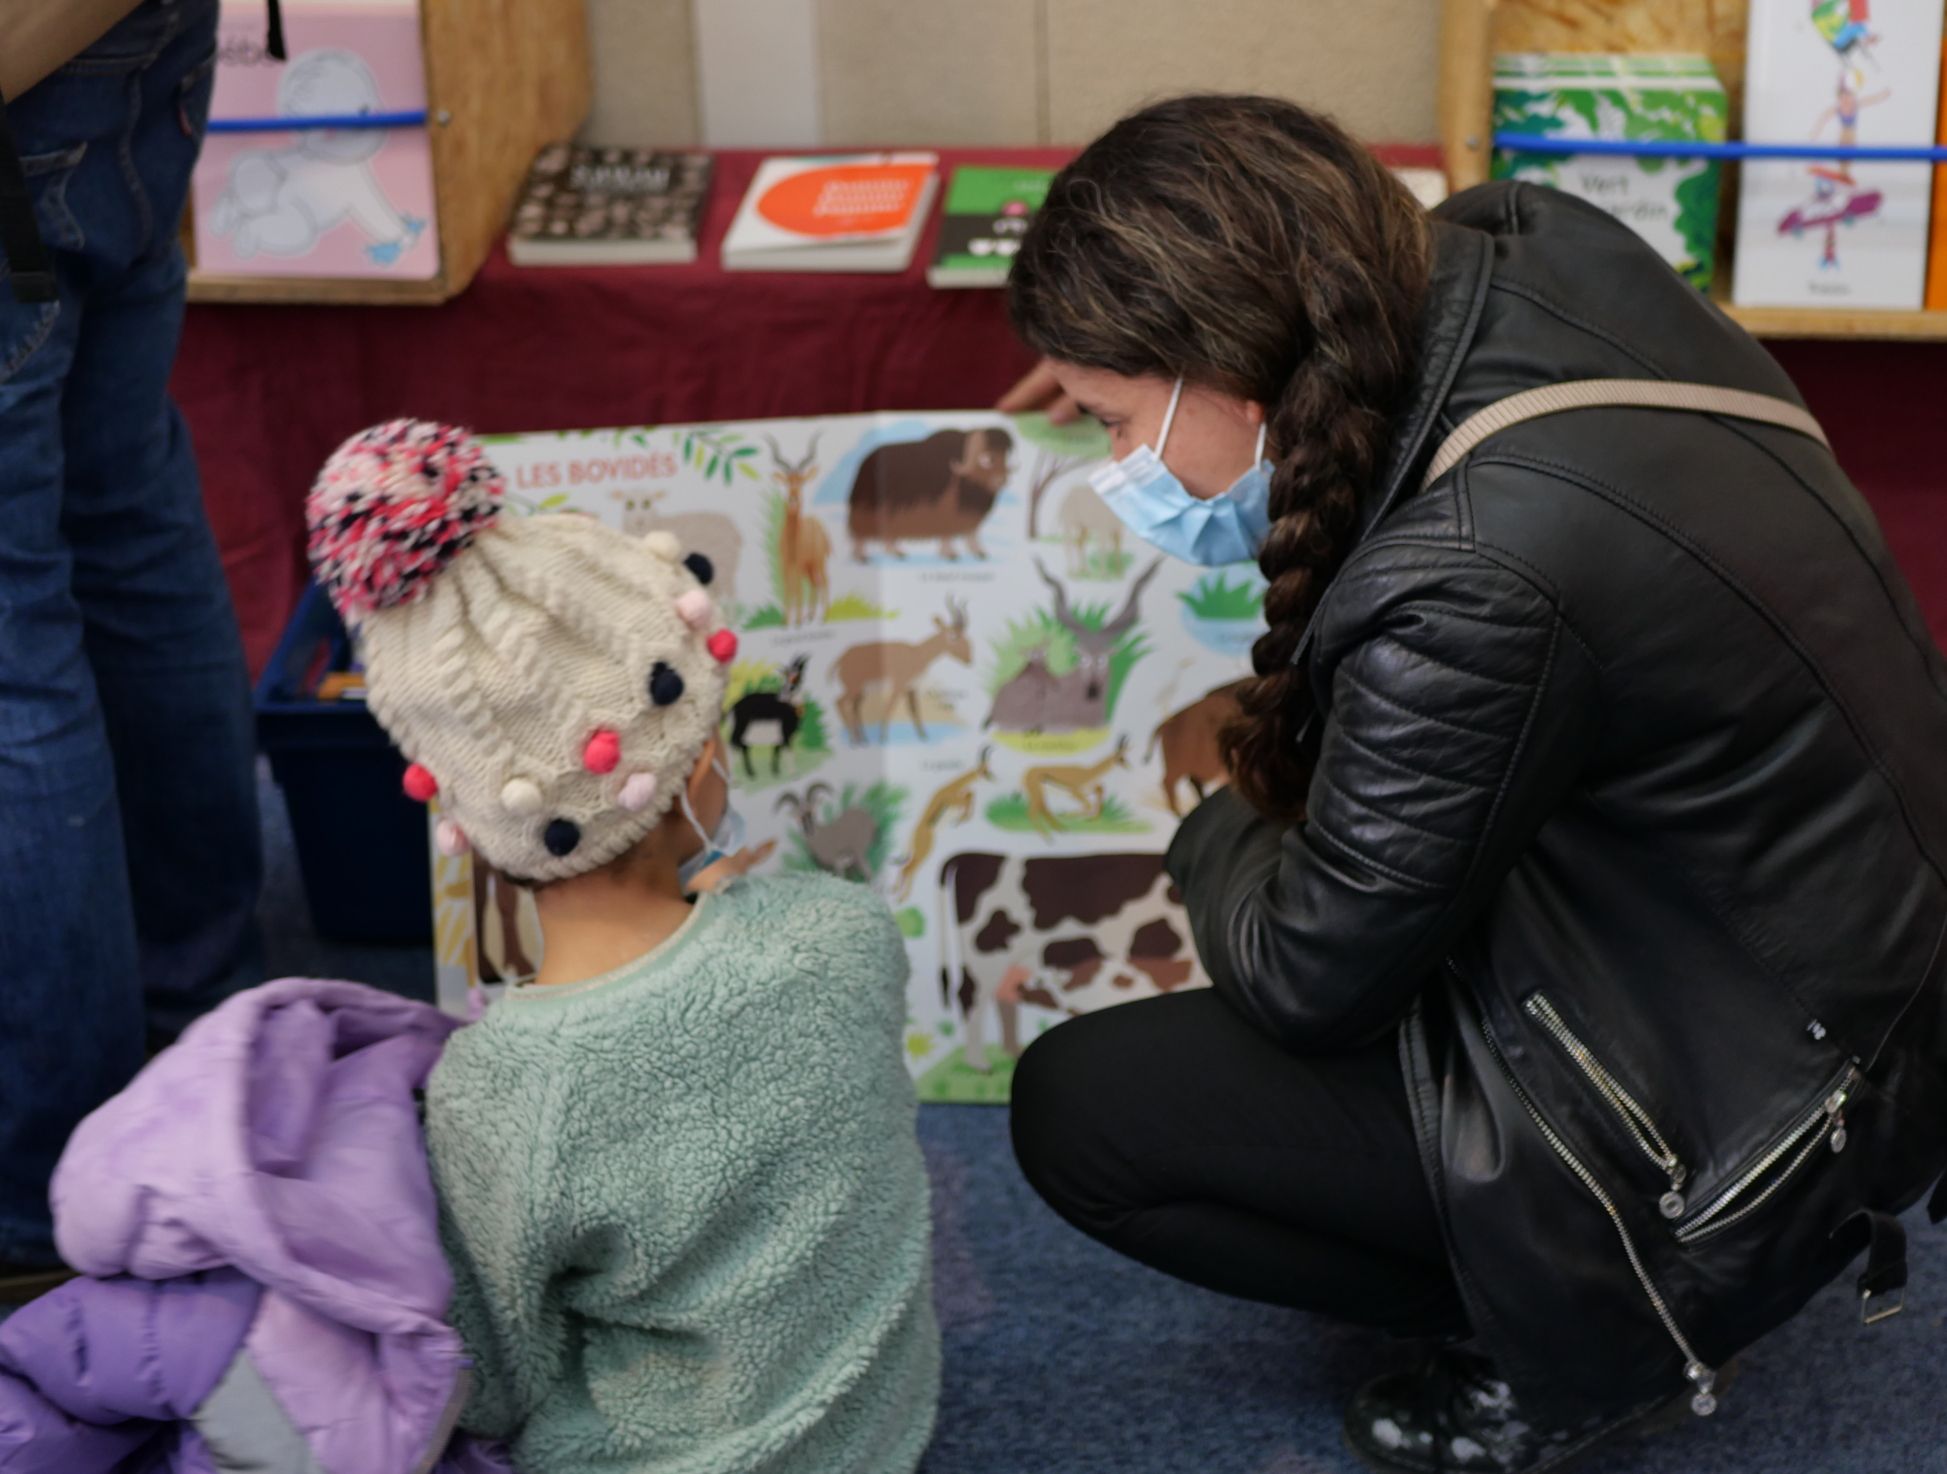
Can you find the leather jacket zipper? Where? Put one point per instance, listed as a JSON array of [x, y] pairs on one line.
[[1703, 1402], [1622, 1104], [1824, 1125]]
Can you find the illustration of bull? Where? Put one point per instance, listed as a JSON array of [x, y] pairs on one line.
[[1193, 747], [940, 487], [1068, 932]]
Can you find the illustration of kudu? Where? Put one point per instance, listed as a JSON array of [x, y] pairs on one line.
[[896, 666], [1080, 781], [1037, 700], [803, 548], [956, 798]]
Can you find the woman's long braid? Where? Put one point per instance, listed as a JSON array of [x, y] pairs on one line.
[[1333, 423], [1255, 248]]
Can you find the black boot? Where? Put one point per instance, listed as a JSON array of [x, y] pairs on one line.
[[1454, 1415]]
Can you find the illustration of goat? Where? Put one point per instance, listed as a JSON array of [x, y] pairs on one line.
[[770, 719], [804, 548], [897, 666], [1037, 700], [840, 845]]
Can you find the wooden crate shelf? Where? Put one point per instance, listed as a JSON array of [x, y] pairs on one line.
[[503, 78], [1472, 31]]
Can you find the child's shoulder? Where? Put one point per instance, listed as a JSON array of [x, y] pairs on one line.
[[814, 911]]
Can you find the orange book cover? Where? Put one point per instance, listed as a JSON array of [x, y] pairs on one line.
[[1937, 247]]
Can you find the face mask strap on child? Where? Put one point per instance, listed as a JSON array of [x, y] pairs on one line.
[[1159, 509], [725, 842]]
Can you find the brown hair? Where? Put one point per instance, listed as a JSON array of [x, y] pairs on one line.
[[1257, 249]]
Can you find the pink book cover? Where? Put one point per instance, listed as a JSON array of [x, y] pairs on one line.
[[328, 202]]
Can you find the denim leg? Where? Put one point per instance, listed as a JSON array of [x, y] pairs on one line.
[[70, 1005], [95, 487], [162, 634]]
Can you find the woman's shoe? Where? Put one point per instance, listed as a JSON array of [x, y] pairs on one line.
[[1455, 1415]]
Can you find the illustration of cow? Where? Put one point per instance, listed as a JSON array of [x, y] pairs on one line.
[[940, 487], [1070, 932]]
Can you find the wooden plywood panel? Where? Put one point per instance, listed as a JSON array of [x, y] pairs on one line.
[[896, 73], [1371, 66], [503, 77], [1713, 27], [643, 57]]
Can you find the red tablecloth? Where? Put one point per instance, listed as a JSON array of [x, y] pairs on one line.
[[269, 391]]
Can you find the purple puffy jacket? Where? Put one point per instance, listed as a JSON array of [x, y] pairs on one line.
[[266, 1289]]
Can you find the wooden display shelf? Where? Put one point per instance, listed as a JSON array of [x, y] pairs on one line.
[[503, 79], [1837, 322], [1472, 31]]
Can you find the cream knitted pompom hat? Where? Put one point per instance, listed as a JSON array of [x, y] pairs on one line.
[[551, 679]]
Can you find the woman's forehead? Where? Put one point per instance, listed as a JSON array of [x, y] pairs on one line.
[[1104, 389]]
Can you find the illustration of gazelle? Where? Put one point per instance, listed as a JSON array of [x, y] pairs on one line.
[[1080, 781], [955, 798]]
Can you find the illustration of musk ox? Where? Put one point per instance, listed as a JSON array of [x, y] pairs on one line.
[[940, 487]]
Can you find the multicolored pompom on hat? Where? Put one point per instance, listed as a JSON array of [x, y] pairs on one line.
[[551, 680]]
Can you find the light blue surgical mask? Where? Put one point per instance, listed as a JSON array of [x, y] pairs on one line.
[[1154, 505], [725, 842]]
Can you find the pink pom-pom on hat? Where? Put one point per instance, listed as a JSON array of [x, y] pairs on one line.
[[602, 752], [392, 507]]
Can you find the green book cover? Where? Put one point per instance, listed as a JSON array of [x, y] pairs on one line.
[[987, 212], [1670, 202]]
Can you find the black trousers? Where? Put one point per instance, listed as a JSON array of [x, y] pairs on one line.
[[1176, 1133]]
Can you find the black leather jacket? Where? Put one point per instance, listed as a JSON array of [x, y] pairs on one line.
[[1631, 802]]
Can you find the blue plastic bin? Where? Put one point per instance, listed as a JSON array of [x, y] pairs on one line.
[[361, 843]]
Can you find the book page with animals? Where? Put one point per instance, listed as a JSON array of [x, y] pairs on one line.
[[962, 683]]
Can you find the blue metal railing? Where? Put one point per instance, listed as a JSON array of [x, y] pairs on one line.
[[413, 118], [1657, 148]]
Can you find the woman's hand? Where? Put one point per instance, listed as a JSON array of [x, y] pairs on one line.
[[1040, 390]]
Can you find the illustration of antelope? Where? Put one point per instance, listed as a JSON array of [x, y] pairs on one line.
[[1081, 782], [1037, 700], [897, 666], [803, 547], [840, 845], [770, 719], [1090, 529], [956, 798]]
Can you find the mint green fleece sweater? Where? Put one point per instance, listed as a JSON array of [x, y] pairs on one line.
[[685, 1206]]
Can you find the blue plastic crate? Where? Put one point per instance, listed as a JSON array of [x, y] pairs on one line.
[[361, 843]]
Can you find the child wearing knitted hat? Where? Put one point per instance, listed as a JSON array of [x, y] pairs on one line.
[[679, 1184]]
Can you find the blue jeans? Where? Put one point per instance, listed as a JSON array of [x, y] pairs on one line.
[[129, 846]]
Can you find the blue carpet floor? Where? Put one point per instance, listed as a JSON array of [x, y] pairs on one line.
[[1062, 1358]]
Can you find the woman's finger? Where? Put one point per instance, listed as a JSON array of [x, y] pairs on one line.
[[1038, 389]]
